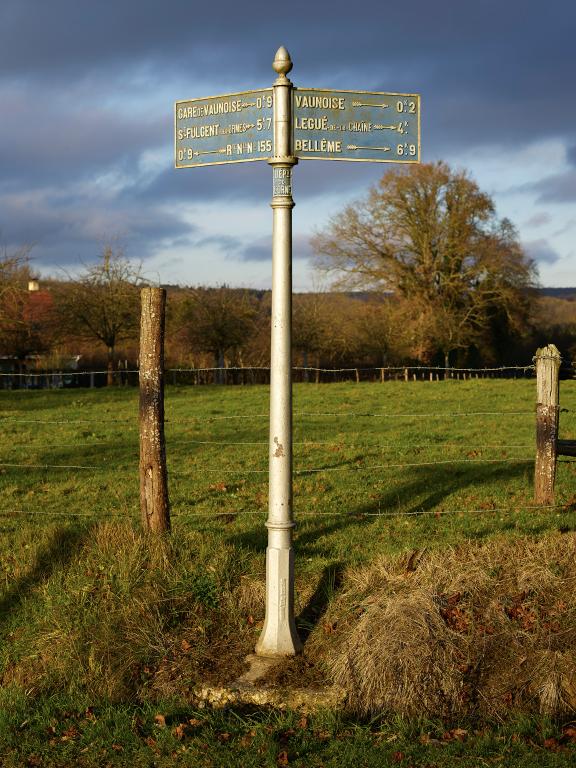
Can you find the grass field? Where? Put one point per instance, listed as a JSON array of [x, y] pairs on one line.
[[102, 632]]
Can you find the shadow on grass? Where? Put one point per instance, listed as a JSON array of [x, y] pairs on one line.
[[57, 552], [431, 486], [422, 492], [329, 583], [306, 540]]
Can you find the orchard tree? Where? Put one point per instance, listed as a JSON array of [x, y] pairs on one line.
[[219, 321], [430, 236], [309, 325], [103, 303]]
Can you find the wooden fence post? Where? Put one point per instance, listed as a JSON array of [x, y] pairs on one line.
[[154, 504], [547, 361]]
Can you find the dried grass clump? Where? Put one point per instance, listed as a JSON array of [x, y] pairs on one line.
[[480, 629], [401, 657]]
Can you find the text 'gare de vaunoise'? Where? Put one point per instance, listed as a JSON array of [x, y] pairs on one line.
[[327, 125]]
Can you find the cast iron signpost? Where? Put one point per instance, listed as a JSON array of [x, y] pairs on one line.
[[281, 125]]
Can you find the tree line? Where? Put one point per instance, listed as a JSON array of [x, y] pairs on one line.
[[422, 271]]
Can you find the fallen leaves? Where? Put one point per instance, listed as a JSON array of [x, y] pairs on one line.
[[454, 615], [455, 734]]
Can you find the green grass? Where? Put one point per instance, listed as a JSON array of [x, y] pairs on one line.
[[91, 616], [173, 735], [356, 435]]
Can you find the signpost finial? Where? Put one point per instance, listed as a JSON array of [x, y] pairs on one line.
[[282, 63]]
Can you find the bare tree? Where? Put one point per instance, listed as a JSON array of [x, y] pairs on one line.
[[219, 321], [102, 304], [432, 238], [309, 324]]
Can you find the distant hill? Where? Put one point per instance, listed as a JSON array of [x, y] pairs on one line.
[[559, 293]]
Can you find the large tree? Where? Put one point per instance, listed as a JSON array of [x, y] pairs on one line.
[[103, 303], [430, 236]]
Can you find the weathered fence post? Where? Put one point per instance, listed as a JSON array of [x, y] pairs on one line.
[[547, 361], [154, 505]]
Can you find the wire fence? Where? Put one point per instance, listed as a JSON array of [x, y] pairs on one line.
[[13, 513], [124, 463], [245, 375]]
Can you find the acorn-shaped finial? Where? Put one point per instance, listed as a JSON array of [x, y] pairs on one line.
[[282, 63]]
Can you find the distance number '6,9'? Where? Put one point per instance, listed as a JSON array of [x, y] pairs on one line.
[[406, 149]]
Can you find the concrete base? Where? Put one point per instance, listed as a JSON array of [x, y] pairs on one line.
[[249, 689], [279, 636], [258, 667]]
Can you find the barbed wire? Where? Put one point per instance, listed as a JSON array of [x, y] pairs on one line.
[[55, 513], [175, 442], [119, 372], [56, 466], [353, 467], [337, 443], [354, 414], [299, 514], [298, 471], [10, 420], [297, 414]]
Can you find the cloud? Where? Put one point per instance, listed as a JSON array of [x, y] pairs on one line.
[[541, 252], [538, 219], [560, 188], [44, 136], [261, 249], [65, 233], [86, 93], [225, 243]]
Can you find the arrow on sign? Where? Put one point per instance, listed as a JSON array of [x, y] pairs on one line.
[[400, 127], [364, 104], [210, 152], [377, 149]]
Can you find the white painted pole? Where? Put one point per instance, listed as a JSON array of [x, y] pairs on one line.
[[279, 635]]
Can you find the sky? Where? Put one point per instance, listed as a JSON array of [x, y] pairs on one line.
[[87, 92]]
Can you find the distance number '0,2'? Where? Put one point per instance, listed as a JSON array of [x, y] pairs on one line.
[[404, 105]]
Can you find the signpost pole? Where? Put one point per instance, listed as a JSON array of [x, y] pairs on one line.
[[279, 635], [357, 126]]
